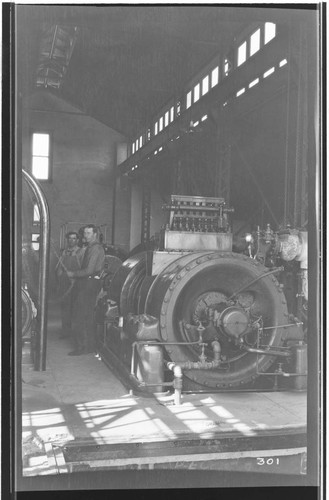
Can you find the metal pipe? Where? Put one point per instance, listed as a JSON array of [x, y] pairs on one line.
[[273, 271], [178, 381], [268, 352], [40, 362]]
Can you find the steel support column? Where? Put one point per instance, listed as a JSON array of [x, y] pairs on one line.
[[146, 210]]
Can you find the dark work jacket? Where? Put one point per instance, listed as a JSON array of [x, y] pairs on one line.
[[93, 261]]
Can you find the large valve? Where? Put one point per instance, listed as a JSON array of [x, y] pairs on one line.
[[223, 297]]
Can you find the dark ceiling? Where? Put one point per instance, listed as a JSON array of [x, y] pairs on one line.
[[130, 60]]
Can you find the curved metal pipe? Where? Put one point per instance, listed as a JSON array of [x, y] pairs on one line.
[[40, 362]]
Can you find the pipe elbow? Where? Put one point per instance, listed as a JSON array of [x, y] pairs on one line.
[[177, 371]]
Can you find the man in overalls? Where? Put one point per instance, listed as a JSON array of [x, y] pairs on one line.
[[88, 285], [70, 260]]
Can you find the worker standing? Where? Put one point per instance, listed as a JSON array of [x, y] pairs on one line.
[[87, 286], [70, 260]]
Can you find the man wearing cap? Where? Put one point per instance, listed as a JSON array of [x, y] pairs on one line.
[[87, 285]]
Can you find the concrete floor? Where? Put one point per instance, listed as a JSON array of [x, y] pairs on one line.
[[78, 399]]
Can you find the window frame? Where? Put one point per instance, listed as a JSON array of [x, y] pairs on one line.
[[50, 153]]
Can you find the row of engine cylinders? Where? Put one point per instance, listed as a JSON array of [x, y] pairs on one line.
[[205, 225]]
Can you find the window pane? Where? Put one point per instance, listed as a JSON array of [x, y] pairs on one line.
[[40, 167], [226, 67], [36, 214], [253, 83], [269, 72], [155, 128], [188, 99], [40, 145], [214, 77], [141, 141], [196, 92], [270, 31], [242, 53], [133, 148], [255, 42], [172, 114], [161, 124], [242, 91], [205, 85], [166, 118]]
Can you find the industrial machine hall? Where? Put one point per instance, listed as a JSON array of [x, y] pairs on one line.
[[167, 242]]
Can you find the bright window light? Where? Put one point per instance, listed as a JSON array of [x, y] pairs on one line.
[[270, 32], [188, 99], [166, 118], [36, 213], [141, 141], [196, 93], [40, 168], [205, 85], [226, 67], [40, 156], [204, 118], [161, 124], [240, 92], [160, 149], [155, 128], [40, 144], [35, 241], [283, 62], [253, 83], [137, 145], [242, 53], [171, 114], [269, 72], [133, 148], [255, 42], [214, 76]]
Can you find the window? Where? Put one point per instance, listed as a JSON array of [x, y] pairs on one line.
[[166, 118], [36, 214], [242, 53], [196, 93], [255, 42], [253, 83], [226, 67], [189, 99], [269, 72], [41, 156], [270, 32], [172, 114], [283, 62], [214, 76], [35, 241], [141, 141], [205, 85], [242, 91], [161, 124], [156, 128], [133, 148], [136, 144]]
